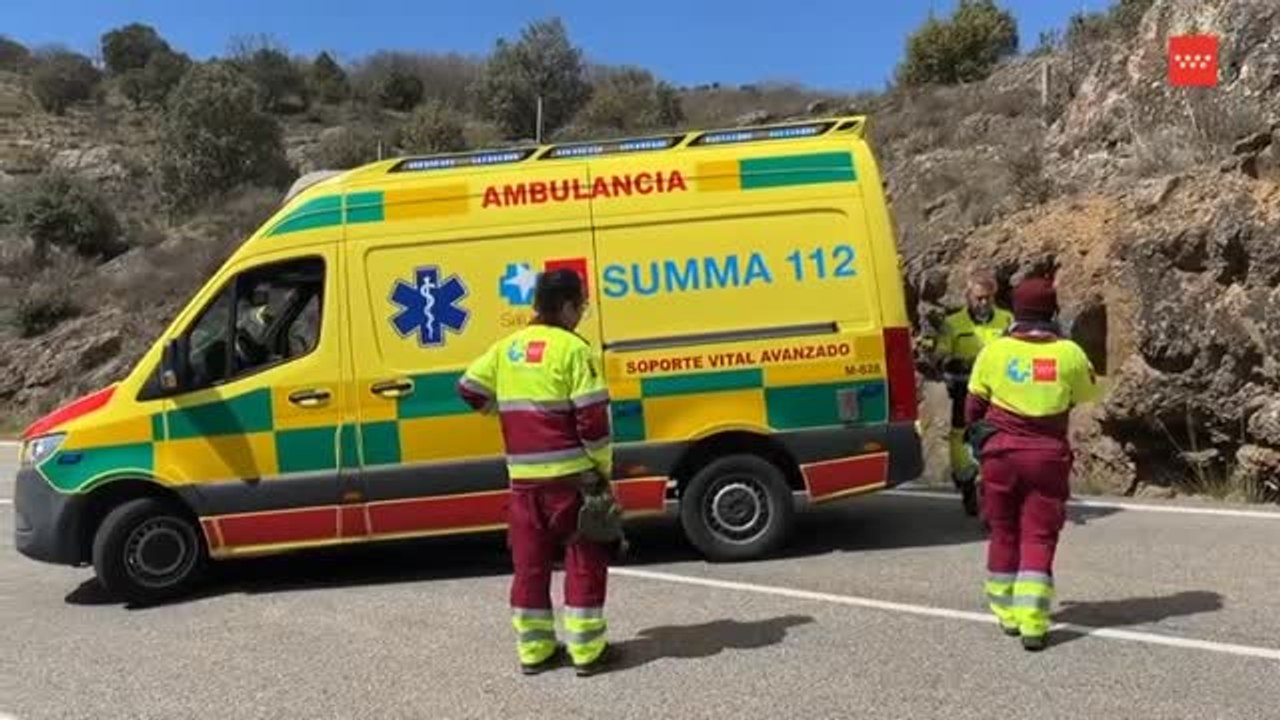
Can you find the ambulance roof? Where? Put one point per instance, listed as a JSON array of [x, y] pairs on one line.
[[318, 196]]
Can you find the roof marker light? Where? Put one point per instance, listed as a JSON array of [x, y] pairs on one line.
[[443, 162], [776, 132], [612, 147]]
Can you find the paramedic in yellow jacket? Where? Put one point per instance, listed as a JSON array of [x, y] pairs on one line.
[[553, 406], [964, 333]]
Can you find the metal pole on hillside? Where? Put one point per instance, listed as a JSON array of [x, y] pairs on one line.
[[538, 130], [1046, 77]]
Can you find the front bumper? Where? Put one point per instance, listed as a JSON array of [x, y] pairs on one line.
[[47, 523]]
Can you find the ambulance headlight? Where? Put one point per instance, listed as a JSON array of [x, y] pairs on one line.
[[37, 450]]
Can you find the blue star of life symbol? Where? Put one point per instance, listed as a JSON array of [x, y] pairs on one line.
[[1016, 371], [516, 285], [515, 353], [429, 306]]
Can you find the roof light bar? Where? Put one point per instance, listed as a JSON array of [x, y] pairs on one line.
[[777, 132], [612, 147], [444, 162]]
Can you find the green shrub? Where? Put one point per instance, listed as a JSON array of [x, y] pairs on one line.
[[348, 147], [542, 63], [281, 84], [445, 77], [327, 81], [433, 128], [61, 78], [628, 99], [154, 82], [1119, 22], [57, 209], [399, 89], [963, 48], [131, 47], [215, 138], [14, 55], [44, 308]]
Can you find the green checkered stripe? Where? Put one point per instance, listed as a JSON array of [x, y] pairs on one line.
[[791, 407], [435, 395], [298, 450], [80, 470], [787, 407], [304, 450], [795, 170]]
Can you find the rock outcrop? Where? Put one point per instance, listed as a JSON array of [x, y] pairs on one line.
[[1172, 283]]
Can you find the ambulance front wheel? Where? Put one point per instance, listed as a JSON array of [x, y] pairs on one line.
[[146, 551], [738, 507]]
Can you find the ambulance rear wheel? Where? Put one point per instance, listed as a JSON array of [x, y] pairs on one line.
[[738, 507], [147, 551]]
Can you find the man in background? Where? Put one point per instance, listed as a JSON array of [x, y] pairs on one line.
[[964, 334]]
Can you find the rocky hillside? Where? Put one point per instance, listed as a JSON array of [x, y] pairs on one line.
[[1159, 208]]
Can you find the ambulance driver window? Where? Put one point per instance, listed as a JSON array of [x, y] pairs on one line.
[[277, 311]]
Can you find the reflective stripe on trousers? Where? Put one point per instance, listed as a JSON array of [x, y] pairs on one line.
[[536, 634], [999, 587], [1031, 601], [584, 633]]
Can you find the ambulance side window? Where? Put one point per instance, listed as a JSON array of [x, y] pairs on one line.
[[207, 356], [265, 316]]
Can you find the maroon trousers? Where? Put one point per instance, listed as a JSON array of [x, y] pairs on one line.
[[542, 517], [1024, 501]]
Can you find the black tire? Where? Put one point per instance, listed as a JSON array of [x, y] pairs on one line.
[[146, 551], [738, 507]]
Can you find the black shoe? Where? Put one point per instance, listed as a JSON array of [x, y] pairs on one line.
[[595, 666], [551, 662], [1010, 631], [1034, 643]]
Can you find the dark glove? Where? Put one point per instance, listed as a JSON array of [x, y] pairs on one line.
[[977, 434], [600, 517]]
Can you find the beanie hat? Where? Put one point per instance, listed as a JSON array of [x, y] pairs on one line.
[[1035, 299]]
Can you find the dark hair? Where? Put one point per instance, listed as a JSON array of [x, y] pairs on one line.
[[554, 289]]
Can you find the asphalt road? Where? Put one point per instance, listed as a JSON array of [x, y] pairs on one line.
[[876, 611]]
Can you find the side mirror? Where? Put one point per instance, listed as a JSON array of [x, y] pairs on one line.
[[174, 370]]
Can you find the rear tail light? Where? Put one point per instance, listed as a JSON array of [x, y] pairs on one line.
[[901, 374]]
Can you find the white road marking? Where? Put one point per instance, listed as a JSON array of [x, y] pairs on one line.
[[950, 614], [1135, 507], [6, 501]]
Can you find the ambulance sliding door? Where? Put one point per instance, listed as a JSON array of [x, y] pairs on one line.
[[436, 284]]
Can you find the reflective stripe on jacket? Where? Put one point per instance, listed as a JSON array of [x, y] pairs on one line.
[[1026, 385], [551, 399]]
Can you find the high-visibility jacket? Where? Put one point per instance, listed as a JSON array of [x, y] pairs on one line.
[[1025, 384], [962, 337], [552, 402]]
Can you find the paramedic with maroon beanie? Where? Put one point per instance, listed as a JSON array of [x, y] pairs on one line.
[[552, 403], [1021, 391]]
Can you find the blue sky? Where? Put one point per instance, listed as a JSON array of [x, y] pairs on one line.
[[828, 44]]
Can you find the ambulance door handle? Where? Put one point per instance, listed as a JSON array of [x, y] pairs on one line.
[[398, 388], [309, 398]]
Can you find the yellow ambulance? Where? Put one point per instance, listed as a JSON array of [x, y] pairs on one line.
[[745, 293]]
